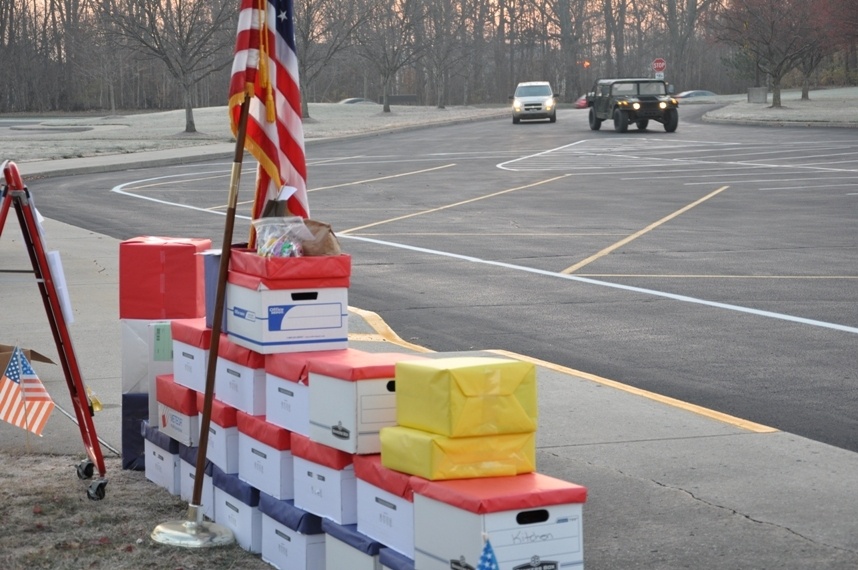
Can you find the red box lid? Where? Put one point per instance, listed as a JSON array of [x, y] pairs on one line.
[[351, 364], [304, 447], [192, 331], [291, 366], [369, 468], [496, 494], [260, 430], [240, 355], [222, 414], [180, 398], [247, 261]]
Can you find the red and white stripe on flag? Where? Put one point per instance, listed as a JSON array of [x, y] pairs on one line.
[[265, 67], [24, 401]]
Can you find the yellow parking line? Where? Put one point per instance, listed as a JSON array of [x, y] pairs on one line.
[[636, 235], [385, 334], [693, 408]]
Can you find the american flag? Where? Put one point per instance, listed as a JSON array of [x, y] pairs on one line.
[[265, 68], [488, 561], [24, 402]]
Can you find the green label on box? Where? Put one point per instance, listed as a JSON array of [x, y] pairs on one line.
[[162, 346]]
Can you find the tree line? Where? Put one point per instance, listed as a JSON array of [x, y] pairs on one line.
[[105, 55]]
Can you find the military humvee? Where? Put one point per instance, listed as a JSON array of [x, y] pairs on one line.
[[636, 101]]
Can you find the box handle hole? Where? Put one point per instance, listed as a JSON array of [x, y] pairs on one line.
[[532, 517], [305, 296]]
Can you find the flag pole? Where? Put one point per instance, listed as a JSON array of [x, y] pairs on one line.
[[194, 532]]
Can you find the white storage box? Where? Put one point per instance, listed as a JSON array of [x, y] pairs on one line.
[[187, 479], [325, 482], [223, 434], [345, 548], [353, 396], [191, 344], [287, 394], [291, 538], [393, 560], [264, 456], [177, 411], [530, 519], [290, 304], [385, 504], [237, 508], [162, 459], [147, 351], [240, 378]]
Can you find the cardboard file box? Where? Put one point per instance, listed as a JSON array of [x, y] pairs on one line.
[[237, 508], [292, 304], [345, 547], [532, 521], [177, 411], [436, 457], [325, 482], [287, 392], [161, 278], [393, 560], [240, 377], [147, 351], [223, 434], [162, 459], [264, 456], [467, 396], [187, 479], [191, 345], [291, 538], [385, 504], [352, 396]]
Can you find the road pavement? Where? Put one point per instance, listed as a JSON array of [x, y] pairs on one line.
[[670, 485]]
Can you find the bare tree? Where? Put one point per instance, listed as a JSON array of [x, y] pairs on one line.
[[193, 38], [323, 28], [776, 33], [442, 36], [388, 41]]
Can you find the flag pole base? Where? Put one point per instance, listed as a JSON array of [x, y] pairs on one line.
[[194, 532]]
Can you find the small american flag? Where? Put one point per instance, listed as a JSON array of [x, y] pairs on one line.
[[265, 68], [24, 402], [488, 561]]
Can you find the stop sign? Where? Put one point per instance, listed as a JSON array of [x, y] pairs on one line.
[[659, 65]]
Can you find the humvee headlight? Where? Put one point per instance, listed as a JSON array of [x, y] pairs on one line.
[[662, 105], [636, 106]]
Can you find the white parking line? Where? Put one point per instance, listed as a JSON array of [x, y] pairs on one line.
[[587, 280]]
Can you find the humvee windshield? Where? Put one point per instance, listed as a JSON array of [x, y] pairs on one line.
[[632, 89]]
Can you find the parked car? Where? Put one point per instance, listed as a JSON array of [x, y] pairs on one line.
[[633, 100], [354, 100], [581, 102], [695, 93], [534, 100]]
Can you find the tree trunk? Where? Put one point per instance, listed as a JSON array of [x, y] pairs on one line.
[[189, 112], [384, 100], [776, 93]]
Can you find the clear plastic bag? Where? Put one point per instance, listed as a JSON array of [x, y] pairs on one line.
[[280, 236]]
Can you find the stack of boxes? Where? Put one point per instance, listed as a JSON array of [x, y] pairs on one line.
[[325, 457]]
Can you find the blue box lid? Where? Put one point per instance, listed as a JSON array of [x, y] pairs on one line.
[[235, 487], [394, 560], [162, 440], [285, 512], [350, 535], [189, 455]]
